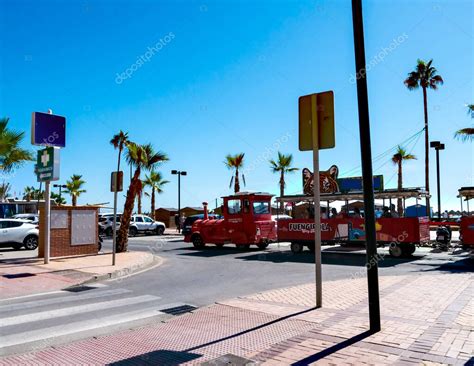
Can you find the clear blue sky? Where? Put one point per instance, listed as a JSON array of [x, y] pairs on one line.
[[228, 81]]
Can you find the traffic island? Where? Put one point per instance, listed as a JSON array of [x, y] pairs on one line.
[[31, 276]]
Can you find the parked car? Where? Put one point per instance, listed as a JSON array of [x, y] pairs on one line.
[[18, 233], [106, 224], [189, 221], [145, 224], [34, 218]]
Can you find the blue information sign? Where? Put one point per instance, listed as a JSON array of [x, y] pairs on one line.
[[48, 130]]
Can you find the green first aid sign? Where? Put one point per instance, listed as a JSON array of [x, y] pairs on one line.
[[47, 164]]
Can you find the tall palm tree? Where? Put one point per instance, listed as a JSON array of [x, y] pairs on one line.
[[398, 158], [467, 134], [119, 141], [282, 165], [11, 154], [74, 187], [425, 76], [235, 162], [141, 157], [155, 182]]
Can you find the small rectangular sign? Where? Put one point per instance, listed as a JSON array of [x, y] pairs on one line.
[[354, 184], [116, 181], [47, 164], [48, 129], [325, 119]]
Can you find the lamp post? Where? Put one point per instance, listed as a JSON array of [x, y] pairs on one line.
[[60, 191], [438, 146], [179, 174]]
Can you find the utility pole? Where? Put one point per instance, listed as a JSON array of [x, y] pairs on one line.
[[179, 173], [367, 175], [438, 146]]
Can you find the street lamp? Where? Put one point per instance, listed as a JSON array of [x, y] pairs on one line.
[[59, 186], [179, 174], [438, 146]]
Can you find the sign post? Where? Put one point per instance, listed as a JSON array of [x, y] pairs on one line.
[[316, 131], [116, 185], [47, 130], [47, 170]]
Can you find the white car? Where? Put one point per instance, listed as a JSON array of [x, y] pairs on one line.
[[34, 218], [106, 224], [18, 233], [144, 224]]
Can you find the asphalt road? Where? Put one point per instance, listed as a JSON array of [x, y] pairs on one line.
[[186, 277], [201, 277]]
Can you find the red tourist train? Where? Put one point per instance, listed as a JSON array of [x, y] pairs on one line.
[[466, 228], [247, 221], [401, 234]]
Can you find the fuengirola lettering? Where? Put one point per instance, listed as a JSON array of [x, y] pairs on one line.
[[301, 226]]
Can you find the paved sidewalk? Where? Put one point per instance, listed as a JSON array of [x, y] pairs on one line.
[[23, 277], [426, 319]]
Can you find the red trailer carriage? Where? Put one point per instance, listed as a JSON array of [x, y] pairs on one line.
[[247, 221], [402, 234], [466, 228]]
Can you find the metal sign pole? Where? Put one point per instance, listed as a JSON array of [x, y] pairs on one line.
[[114, 235], [317, 203], [47, 222]]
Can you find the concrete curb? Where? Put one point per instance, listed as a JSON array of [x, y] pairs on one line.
[[151, 262]]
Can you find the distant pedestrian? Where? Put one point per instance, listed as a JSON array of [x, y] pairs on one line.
[[181, 221], [177, 223], [393, 211], [333, 213], [357, 214], [386, 212]]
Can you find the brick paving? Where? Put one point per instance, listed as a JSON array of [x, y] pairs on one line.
[[427, 319]]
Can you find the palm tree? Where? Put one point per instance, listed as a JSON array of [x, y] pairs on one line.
[[467, 134], [425, 76], [398, 159], [4, 191], [74, 187], [59, 200], [119, 141], [11, 154], [29, 193], [235, 162], [155, 182], [282, 165], [140, 157]]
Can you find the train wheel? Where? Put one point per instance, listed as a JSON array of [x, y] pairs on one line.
[[262, 246], [220, 246], [396, 251], [408, 249], [198, 243], [296, 248]]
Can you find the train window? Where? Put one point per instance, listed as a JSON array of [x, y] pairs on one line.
[[234, 207], [260, 208]]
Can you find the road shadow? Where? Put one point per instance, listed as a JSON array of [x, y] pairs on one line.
[[330, 258], [159, 357], [459, 264], [333, 349]]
